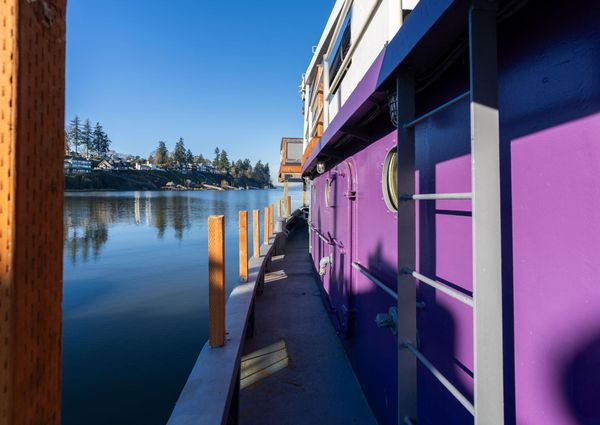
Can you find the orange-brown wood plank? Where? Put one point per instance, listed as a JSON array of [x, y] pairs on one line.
[[243, 241], [32, 91], [266, 225], [271, 219], [256, 232], [216, 280]]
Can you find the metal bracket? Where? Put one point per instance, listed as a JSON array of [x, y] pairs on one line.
[[388, 320], [350, 195]]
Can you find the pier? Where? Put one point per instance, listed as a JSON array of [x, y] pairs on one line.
[[282, 361], [306, 377]]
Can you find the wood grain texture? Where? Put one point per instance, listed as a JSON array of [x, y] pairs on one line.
[[32, 90], [243, 242], [271, 219], [256, 232], [216, 280], [266, 225]]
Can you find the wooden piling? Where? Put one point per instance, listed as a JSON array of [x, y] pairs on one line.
[[303, 193], [279, 209], [216, 280], [32, 150], [266, 225], [256, 232], [289, 205], [243, 242], [271, 219]]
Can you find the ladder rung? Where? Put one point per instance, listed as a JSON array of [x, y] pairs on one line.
[[436, 110], [440, 286], [436, 196], [440, 377], [376, 281]]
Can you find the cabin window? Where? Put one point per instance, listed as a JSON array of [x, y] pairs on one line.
[[327, 192], [389, 181], [341, 48]]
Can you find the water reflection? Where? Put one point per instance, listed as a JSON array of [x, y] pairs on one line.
[[87, 219], [135, 306]]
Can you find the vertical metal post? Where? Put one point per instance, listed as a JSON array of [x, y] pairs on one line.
[[485, 181], [325, 92], [407, 363], [31, 209], [256, 232], [216, 280], [243, 242]]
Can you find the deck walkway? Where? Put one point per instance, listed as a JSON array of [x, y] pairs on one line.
[[306, 377]]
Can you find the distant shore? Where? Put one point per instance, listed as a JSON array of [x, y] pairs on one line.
[[154, 180]]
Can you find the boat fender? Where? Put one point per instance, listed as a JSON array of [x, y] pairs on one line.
[[323, 263]]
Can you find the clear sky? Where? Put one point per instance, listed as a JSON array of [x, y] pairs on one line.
[[217, 73]]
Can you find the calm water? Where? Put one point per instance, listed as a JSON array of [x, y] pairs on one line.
[[135, 298]]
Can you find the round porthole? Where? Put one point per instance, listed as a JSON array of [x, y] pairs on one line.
[[389, 180], [327, 192]]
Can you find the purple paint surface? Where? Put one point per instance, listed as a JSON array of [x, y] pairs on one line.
[[556, 234]]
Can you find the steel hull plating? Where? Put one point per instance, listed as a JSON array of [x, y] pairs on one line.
[[549, 106]]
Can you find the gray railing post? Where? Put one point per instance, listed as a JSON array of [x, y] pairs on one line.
[[407, 367], [485, 180]]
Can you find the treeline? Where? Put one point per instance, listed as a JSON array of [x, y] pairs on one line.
[[86, 140], [182, 156]]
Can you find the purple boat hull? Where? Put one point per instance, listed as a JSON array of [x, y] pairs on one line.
[[549, 104]]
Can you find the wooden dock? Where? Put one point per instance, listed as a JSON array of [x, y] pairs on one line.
[[305, 378], [282, 362]]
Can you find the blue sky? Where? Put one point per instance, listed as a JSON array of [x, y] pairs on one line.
[[217, 73]]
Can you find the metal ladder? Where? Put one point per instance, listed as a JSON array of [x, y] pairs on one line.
[[488, 406]]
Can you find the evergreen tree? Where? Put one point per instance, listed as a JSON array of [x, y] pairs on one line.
[[247, 168], [217, 161], [179, 153], [200, 160], [238, 168], [161, 155], [87, 137], [75, 134], [189, 157], [100, 141], [224, 161]]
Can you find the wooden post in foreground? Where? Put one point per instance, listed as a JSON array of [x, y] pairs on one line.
[[289, 205], [304, 193], [32, 150], [256, 232], [266, 226], [279, 209], [216, 280], [243, 239], [271, 219]]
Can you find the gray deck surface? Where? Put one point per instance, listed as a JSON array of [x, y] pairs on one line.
[[318, 385]]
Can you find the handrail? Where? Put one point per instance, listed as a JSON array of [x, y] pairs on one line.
[[376, 281], [437, 110], [441, 378], [435, 196], [320, 235], [465, 299]]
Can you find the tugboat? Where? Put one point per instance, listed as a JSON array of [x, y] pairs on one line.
[[451, 151]]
